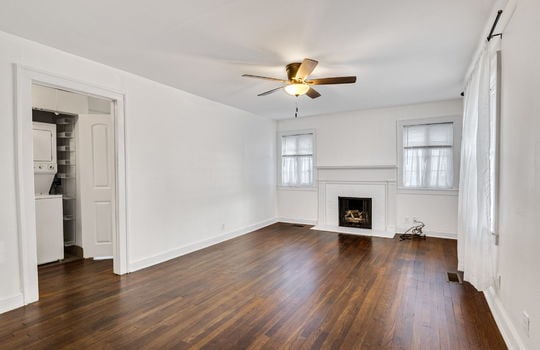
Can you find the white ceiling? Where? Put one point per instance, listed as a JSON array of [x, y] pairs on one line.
[[402, 51]]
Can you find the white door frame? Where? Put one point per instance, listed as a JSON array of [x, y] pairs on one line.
[[26, 216]]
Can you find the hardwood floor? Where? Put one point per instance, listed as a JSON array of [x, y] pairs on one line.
[[279, 287]]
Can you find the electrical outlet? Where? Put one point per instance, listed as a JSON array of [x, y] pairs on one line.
[[525, 322], [498, 282]]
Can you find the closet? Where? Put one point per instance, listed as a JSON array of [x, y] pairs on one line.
[[80, 129]]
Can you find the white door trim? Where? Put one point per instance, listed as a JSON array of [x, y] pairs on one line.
[[26, 218]]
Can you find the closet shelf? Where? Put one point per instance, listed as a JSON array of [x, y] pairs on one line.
[[65, 121], [65, 135], [66, 162], [68, 217], [68, 198], [64, 176], [65, 149]]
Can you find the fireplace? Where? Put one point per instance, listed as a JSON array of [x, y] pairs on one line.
[[355, 212]]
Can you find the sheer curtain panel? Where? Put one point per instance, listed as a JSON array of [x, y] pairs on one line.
[[476, 244]]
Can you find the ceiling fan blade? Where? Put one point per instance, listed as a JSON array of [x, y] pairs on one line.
[[270, 91], [261, 77], [313, 93], [305, 69], [334, 80]]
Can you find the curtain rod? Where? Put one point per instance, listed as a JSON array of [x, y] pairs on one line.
[[491, 35]]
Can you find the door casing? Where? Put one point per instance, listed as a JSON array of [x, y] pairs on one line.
[[26, 218]]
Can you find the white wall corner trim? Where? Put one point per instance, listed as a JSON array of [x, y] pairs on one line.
[[189, 248], [506, 327], [11, 303]]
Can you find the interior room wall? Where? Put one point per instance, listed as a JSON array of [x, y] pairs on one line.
[[519, 259], [196, 170], [368, 138]]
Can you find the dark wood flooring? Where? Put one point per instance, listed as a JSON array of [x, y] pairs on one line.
[[279, 287]]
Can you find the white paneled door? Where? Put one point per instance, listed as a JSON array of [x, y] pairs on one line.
[[97, 184]]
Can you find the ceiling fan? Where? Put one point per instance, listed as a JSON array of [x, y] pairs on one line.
[[297, 83]]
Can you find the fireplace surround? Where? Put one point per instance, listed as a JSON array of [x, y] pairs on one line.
[[375, 182]]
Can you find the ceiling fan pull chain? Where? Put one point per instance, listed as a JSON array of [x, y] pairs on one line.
[[296, 113]]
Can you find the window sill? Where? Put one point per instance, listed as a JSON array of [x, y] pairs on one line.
[[297, 188], [428, 191]]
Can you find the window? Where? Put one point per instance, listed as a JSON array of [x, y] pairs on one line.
[[428, 156], [297, 159]]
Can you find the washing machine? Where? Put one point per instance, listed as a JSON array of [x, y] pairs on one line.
[[49, 212]]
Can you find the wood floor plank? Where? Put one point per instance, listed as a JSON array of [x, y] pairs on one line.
[[281, 287]]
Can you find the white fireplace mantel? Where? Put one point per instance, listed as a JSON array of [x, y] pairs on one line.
[[376, 182]]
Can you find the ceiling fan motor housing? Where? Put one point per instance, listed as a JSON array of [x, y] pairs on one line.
[[292, 69]]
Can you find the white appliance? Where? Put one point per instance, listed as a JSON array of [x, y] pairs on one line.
[[49, 228], [49, 213], [44, 145]]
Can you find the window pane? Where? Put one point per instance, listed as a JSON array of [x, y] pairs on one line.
[[428, 167], [414, 166], [288, 145], [305, 170], [297, 144], [415, 135], [288, 171], [441, 134], [305, 144], [441, 169]]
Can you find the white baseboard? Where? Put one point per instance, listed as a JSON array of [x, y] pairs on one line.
[[189, 248], [298, 221], [433, 234], [506, 327], [355, 231], [11, 303], [441, 235], [103, 257]]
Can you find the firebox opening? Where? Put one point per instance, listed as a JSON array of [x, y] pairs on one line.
[[355, 212]]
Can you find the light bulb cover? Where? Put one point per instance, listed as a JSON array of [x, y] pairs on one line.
[[296, 89]]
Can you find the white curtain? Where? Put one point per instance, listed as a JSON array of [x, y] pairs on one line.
[[476, 247], [297, 160], [428, 155]]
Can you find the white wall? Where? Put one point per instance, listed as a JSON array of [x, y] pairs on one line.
[[519, 257], [196, 169], [367, 138]]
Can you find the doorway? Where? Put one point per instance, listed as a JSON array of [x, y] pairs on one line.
[[74, 171], [114, 210]]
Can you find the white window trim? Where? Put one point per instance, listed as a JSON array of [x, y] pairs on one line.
[[313, 186], [457, 121]]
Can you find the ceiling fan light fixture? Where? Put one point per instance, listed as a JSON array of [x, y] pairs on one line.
[[296, 83], [296, 89]]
